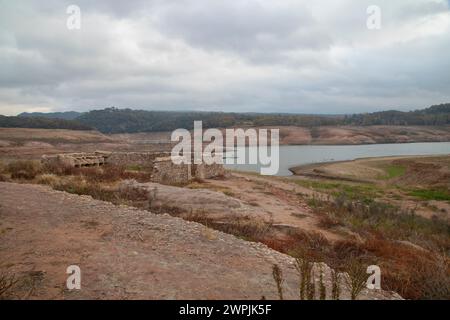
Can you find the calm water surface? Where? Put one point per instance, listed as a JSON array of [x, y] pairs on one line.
[[291, 156]]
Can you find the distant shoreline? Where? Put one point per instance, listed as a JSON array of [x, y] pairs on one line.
[[329, 135], [289, 135]]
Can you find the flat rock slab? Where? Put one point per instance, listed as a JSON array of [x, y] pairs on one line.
[[212, 204], [125, 253]]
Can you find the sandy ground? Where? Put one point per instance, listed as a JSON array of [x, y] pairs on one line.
[[329, 135], [126, 253], [277, 200], [20, 143], [52, 135]]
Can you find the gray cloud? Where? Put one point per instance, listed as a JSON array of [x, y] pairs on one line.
[[255, 55]]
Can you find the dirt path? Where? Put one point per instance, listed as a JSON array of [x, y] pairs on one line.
[[276, 198], [126, 253]]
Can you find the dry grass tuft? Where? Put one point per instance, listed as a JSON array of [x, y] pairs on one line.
[[48, 179], [306, 279], [357, 277], [24, 169], [7, 284], [278, 277]]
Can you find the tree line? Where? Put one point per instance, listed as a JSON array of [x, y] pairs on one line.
[[41, 123], [114, 120]]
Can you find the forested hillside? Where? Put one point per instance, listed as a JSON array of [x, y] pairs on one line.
[[41, 122], [432, 116], [69, 115], [113, 120]]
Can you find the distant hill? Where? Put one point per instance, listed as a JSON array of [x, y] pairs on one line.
[[432, 116], [441, 108], [69, 115], [113, 120], [41, 122]]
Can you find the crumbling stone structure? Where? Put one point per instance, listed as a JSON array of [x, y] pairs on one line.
[[144, 159], [165, 171], [77, 160], [162, 168]]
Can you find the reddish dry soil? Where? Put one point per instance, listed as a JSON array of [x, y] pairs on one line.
[[125, 253]]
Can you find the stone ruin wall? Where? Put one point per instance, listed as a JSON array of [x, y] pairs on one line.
[[144, 159], [165, 171], [205, 171], [160, 163], [77, 159]]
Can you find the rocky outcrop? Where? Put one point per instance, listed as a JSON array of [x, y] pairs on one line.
[[213, 204]]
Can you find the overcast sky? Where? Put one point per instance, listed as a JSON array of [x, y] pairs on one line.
[[221, 55]]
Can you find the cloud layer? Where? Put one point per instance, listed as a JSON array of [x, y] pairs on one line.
[[253, 55]]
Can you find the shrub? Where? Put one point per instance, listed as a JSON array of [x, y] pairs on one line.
[[328, 221], [80, 186], [58, 169], [357, 277], [380, 218], [322, 289], [278, 277], [7, 284], [412, 272], [48, 179], [306, 280], [24, 169], [336, 285]]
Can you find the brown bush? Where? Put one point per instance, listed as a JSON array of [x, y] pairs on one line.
[[79, 185], [412, 272], [58, 169], [48, 179], [327, 221], [24, 169], [357, 277], [106, 173], [345, 250], [7, 283]]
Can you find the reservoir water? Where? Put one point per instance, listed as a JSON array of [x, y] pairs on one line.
[[291, 156]]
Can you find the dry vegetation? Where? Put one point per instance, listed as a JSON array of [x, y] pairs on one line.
[[412, 251], [7, 284], [390, 218]]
